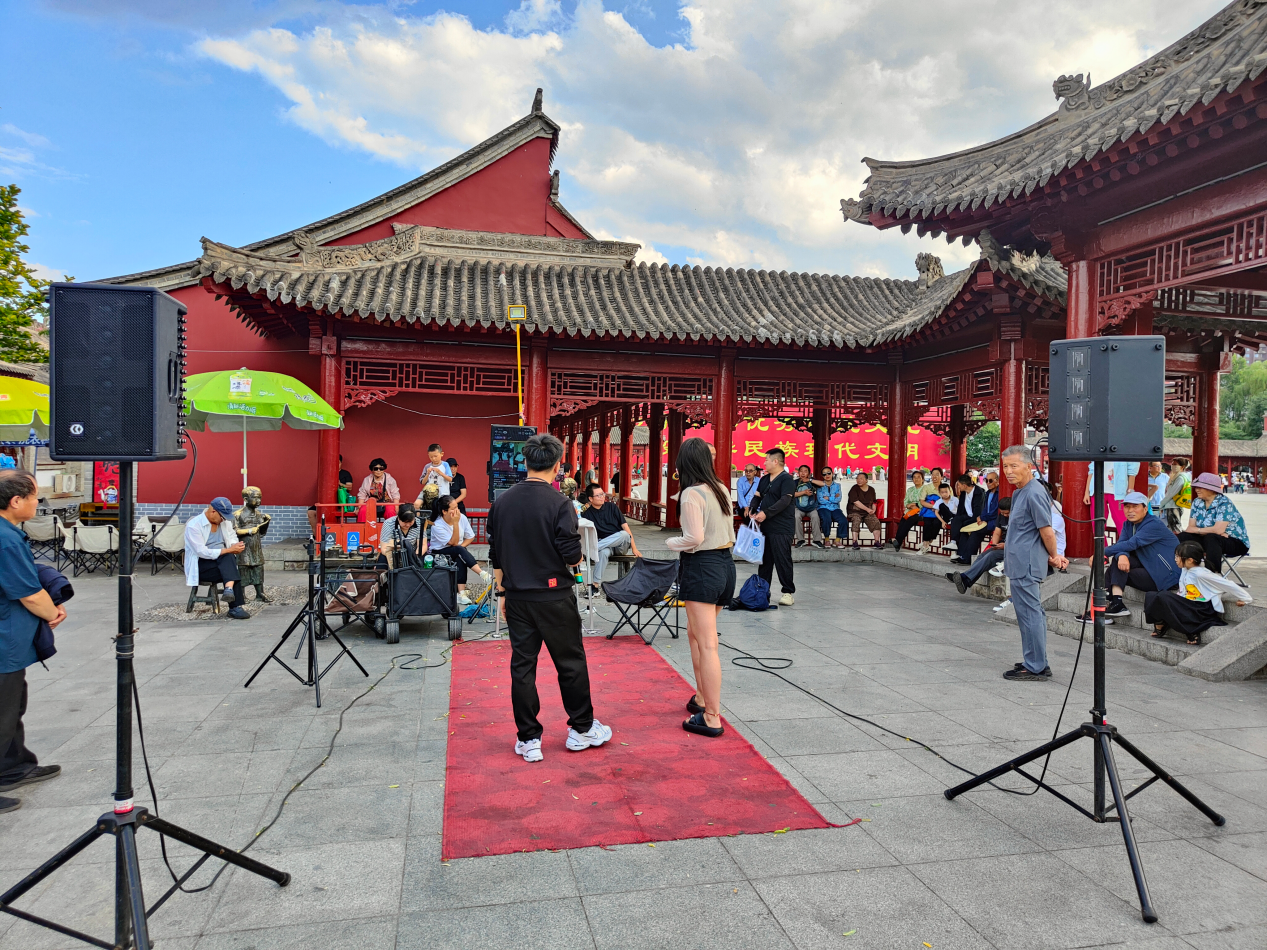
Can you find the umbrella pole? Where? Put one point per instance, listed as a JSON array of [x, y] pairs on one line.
[[244, 452]]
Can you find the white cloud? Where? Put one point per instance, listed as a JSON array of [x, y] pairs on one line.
[[30, 138], [44, 272], [733, 147]]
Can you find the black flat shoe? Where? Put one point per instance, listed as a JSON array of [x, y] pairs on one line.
[[697, 725], [693, 707]]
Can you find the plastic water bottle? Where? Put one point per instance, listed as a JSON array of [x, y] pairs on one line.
[[428, 562]]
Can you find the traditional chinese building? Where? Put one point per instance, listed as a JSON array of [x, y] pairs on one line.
[[1150, 189], [395, 311]]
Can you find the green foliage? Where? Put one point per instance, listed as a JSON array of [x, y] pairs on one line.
[[22, 306], [1242, 400], [1172, 431], [983, 446]]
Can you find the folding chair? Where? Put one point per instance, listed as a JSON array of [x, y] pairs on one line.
[[646, 587], [589, 555], [45, 535], [166, 545], [93, 547], [1229, 567]]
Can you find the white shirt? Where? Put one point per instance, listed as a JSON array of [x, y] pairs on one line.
[[442, 533], [430, 476], [1058, 525], [202, 540]]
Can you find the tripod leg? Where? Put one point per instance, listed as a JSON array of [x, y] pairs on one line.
[[49, 866], [1128, 835], [314, 671], [208, 846], [135, 895], [1169, 780], [1016, 763], [289, 630]]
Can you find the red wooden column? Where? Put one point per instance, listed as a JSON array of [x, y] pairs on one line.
[[899, 419], [1205, 434], [655, 481], [958, 441], [677, 423], [820, 429], [1080, 323], [537, 386], [328, 439], [626, 452], [574, 452], [604, 452], [725, 404], [1012, 423]]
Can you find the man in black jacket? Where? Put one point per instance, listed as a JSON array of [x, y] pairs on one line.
[[969, 511], [776, 515], [534, 547]]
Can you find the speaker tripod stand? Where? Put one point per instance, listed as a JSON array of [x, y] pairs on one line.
[[1103, 737], [131, 927], [311, 619]]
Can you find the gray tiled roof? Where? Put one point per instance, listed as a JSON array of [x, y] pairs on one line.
[[1228, 448], [579, 288], [1218, 56]]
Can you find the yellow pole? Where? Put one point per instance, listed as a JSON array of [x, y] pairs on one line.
[[519, 373]]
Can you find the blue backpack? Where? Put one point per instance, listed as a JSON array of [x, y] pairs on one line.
[[754, 595]]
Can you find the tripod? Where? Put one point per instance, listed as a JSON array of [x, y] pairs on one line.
[[1103, 736], [312, 618], [131, 928]]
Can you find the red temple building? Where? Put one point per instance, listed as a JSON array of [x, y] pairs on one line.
[[1150, 190]]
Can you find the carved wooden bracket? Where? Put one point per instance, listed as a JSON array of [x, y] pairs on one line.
[[360, 398], [1114, 312]]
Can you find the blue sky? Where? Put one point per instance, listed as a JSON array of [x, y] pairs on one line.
[[716, 132]]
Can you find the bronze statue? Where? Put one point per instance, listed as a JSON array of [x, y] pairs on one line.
[[252, 525]]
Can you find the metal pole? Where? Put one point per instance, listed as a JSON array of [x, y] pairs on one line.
[[1098, 603], [519, 374], [123, 648]]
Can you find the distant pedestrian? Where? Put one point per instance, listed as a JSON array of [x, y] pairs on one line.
[[1029, 555], [534, 546], [775, 515]]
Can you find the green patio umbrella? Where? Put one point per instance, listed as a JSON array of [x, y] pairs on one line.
[[247, 400], [23, 411]]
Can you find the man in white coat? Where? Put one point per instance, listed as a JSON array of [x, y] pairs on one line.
[[211, 546]]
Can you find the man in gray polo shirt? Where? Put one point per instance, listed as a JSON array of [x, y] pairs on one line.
[[1028, 556]]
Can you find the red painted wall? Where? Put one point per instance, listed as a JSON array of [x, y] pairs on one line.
[[511, 196]]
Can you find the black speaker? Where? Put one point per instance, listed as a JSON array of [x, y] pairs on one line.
[[1106, 399], [116, 374]]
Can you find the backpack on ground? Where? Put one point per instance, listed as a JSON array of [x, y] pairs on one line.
[[754, 595]]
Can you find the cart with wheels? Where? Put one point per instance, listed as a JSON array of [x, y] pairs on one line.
[[414, 591]]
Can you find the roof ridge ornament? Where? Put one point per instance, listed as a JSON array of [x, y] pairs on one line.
[[536, 102], [1074, 90], [930, 269]]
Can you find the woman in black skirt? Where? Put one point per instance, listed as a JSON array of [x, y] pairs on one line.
[[1198, 603], [706, 576]]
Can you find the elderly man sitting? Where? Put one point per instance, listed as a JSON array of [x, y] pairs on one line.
[[211, 546], [1143, 557], [611, 527]]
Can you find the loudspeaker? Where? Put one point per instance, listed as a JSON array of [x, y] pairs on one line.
[[116, 374], [1106, 399]]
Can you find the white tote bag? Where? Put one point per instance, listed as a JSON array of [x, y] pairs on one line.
[[750, 543]]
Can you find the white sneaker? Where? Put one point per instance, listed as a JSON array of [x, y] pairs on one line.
[[531, 750], [787, 600], [1006, 603], [463, 599], [997, 570], [925, 548], [597, 735]]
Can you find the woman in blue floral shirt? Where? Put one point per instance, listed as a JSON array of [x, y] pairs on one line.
[[1215, 523]]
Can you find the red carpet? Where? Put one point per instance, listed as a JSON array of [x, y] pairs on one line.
[[651, 782]]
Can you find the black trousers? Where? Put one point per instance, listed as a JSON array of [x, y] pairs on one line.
[[557, 624], [930, 528], [967, 545], [224, 568], [778, 557], [981, 565], [1216, 547], [1137, 577], [15, 758], [465, 559]]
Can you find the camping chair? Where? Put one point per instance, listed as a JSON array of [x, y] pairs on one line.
[[93, 547], [1229, 567], [645, 588], [166, 544], [45, 535], [589, 555]]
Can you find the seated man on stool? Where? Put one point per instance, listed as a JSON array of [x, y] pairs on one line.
[[1143, 557], [211, 546]]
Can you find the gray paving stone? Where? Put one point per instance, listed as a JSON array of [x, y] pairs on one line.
[[532, 925], [432, 884], [809, 851], [922, 828], [725, 916], [376, 934], [850, 776], [635, 867], [1233, 938]]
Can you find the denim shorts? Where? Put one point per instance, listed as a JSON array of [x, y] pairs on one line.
[[707, 577]]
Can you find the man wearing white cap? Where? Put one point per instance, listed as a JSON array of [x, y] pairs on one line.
[[211, 543], [1143, 557]]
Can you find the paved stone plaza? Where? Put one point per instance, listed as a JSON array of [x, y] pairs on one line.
[[362, 837]]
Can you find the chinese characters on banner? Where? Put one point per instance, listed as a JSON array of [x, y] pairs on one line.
[[864, 447], [105, 483]]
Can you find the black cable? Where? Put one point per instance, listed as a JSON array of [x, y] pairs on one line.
[[409, 664]]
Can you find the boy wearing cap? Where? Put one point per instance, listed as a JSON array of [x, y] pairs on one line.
[[1143, 557], [211, 546]]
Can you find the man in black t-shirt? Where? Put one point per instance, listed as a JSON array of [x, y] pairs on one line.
[[613, 531], [457, 487], [776, 515]]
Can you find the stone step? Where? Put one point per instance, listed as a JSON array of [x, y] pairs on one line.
[[1073, 604], [1170, 649]]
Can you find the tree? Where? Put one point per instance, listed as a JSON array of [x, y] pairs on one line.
[[1242, 400], [983, 446], [22, 304]]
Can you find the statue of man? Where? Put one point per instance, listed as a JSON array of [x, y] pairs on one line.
[[252, 525]]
